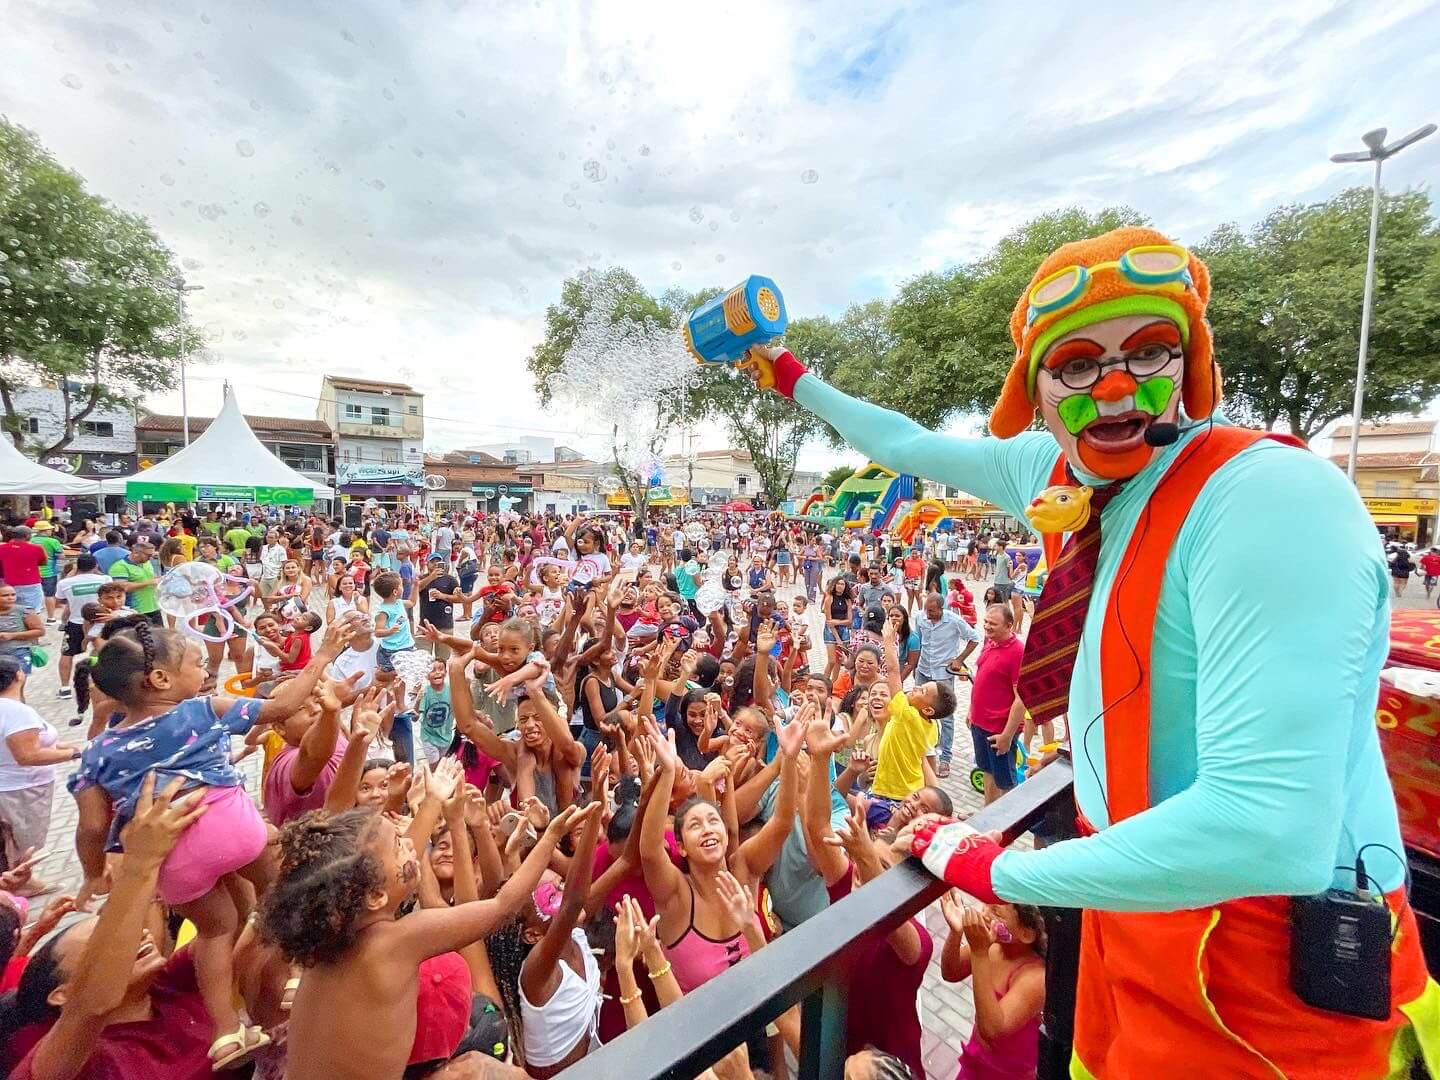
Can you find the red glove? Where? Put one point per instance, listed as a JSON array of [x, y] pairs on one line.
[[787, 373], [957, 853]]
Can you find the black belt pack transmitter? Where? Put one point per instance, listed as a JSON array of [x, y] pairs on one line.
[[1340, 953]]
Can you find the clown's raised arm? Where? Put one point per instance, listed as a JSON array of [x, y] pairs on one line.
[[1220, 699]]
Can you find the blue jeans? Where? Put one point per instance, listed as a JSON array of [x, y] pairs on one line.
[[947, 737], [947, 723], [402, 737]]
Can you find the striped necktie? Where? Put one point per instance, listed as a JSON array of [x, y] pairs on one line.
[[1059, 619]]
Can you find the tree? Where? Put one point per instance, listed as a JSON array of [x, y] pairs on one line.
[[946, 338], [1285, 310], [87, 303], [837, 476], [610, 308], [770, 428]]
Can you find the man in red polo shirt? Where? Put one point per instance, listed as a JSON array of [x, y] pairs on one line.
[[20, 563], [995, 709]]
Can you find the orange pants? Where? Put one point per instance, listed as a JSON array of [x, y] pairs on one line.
[[1207, 993]]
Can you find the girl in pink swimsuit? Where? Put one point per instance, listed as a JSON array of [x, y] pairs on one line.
[[1002, 948], [700, 938]]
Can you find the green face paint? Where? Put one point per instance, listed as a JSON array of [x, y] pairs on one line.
[[1153, 395], [1076, 411]]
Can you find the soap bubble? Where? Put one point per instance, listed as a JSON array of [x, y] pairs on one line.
[[167, 179], [261, 210], [112, 246], [697, 215], [809, 176], [615, 361], [72, 82], [413, 667], [245, 148]]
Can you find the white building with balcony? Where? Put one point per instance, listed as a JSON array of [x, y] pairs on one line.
[[379, 430]]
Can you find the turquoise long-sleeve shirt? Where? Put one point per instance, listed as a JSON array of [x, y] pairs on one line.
[[1273, 622]]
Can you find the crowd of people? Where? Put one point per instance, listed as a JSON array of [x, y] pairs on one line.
[[523, 782]]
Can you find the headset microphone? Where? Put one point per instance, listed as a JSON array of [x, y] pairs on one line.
[[1163, 434]]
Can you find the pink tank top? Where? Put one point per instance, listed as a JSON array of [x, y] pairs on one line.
[[697, 959], [1010, 1057]]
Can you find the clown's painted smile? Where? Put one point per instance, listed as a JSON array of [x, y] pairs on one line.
[[1107, 384]]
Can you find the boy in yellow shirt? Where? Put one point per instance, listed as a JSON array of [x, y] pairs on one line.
[[911, 732]]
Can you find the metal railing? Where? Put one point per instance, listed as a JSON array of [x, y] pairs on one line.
[[804, 966]]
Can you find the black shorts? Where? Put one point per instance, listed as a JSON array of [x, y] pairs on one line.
[[47, 585], [1002, 592], [74, 643]]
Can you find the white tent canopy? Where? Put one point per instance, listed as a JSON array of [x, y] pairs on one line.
[[226, 463], [21, 476]]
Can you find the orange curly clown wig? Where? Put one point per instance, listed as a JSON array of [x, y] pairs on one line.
[[1109, 295]]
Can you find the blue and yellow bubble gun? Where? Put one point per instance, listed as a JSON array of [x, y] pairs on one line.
[[725, 329]]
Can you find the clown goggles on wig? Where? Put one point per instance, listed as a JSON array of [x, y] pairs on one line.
[[1150, 266]]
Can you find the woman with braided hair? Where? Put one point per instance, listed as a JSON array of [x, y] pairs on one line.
[[167, 730]]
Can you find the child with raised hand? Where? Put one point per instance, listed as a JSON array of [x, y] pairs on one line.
[[155, 675], [1001, 948], [392, 624], [333, 910], [559, 980]]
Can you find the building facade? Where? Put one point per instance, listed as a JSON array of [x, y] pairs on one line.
[[1396, 474], [467, 480], [379, 433], [529, 449], [103, 446]]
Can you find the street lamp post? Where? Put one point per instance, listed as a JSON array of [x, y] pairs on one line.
[[180, 290], [1377, 152]]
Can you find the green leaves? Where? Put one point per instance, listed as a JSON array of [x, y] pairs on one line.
[[86, 295], [1286, 302]]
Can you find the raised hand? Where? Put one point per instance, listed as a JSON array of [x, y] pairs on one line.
[[718, 769], [975, 925], [599, 768], [953, 909], [791, 737], [571, 817], [739, 904], [419, 786], [447, 783], [476, 808], [819, 739], [536, 812], [627, 931]]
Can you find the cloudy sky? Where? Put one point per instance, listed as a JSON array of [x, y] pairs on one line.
[[396, 188]]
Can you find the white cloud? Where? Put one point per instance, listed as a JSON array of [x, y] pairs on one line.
[[397, 189]]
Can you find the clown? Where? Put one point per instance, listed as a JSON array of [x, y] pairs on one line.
[[1221, 719]]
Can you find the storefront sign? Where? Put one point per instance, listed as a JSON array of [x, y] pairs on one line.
[[96, 465], [1402, 507], [659, 496], [224, 493], [351, 472], [489, 491]]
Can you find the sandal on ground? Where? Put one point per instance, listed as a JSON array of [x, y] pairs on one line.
[[237, 1048]]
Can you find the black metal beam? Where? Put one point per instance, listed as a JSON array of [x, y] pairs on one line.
[[699, 1029]]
